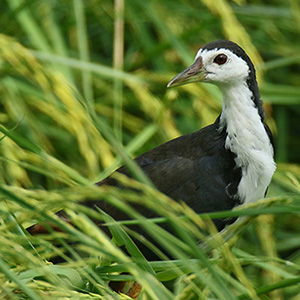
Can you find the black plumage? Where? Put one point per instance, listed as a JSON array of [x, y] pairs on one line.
[[177, 169]]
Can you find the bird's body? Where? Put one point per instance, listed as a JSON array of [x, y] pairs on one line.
[[223, 165], [194, 168], [227, 163]]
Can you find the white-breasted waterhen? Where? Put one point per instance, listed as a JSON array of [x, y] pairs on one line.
[[225, 164]]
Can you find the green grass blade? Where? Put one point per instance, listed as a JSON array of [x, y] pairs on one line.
[[6, 270]]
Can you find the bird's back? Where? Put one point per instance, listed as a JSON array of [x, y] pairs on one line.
[[194, 168]]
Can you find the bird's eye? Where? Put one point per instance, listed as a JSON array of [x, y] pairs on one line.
[[220, 59]]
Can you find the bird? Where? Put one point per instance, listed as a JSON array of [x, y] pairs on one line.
[[225, 164], [228, 163]]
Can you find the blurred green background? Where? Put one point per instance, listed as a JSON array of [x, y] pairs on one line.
[[83, 88], [118, 64]]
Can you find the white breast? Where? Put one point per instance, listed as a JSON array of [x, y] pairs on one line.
[[247, 138]]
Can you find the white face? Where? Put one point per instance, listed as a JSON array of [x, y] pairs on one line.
[[223, 66]]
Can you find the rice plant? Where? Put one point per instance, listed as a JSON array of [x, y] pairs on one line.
[[83, 91]]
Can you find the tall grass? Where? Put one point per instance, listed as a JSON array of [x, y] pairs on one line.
[[83, 89]]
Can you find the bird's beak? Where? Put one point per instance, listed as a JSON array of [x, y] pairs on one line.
[[194, 73]]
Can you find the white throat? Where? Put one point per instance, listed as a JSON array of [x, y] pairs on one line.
[[247, 138]]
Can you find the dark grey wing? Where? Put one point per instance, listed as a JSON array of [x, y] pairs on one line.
[[200, 183], [194, 168]]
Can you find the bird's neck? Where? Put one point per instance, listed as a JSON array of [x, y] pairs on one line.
[[240, 106], [242, 118]]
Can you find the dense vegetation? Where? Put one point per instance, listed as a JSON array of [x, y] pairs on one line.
[[79, 98]]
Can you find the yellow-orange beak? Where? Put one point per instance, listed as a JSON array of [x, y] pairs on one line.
[[194, 73]]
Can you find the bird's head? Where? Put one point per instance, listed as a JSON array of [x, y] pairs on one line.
[[220, 62]]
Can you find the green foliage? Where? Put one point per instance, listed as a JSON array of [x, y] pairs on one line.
[[79, 98]]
